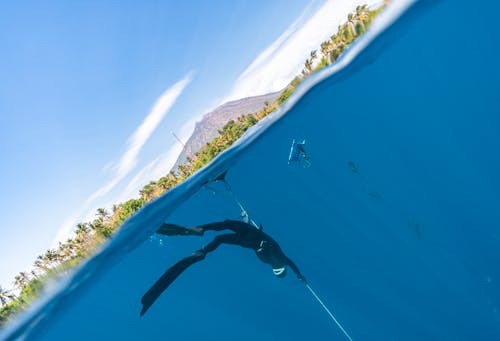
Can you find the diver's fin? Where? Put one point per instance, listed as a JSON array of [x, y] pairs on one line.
[[177, 230], [168, 278]]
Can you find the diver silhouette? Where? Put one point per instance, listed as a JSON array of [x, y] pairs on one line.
[[243, 234], [298, 154]]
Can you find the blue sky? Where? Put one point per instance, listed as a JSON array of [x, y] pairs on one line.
[[91, 90]]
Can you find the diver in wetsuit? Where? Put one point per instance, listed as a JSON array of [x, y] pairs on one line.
[[243, 234]]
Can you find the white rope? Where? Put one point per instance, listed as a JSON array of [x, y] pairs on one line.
[[328, 311], [248, 219], [244, 212]]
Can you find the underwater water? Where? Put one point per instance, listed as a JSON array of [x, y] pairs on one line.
[[395, 224]]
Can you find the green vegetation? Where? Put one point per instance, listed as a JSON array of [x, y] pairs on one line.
[[89, 236]]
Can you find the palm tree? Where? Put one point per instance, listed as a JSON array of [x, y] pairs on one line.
[[60, 254], [51, 257], [338, 44], [5, 296], [83, 236], [325, 49], [147, 192], [82, 229], [308, 65], [350, 19], [64, 252], [163, 183], [339, 28], [348, 30], [68, 249], [102, 214], [362, 14], [183, 171], [41, 264], [313, 55], [360, 20], [21, 280]]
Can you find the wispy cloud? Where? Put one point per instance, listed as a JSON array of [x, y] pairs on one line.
[[282, 60], [128, 160], [160, 166], [141, 135]]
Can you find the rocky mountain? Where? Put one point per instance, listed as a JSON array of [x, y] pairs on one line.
[[207, 129]]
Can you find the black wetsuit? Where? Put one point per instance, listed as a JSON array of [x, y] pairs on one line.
[[247, 236], [244, 235]]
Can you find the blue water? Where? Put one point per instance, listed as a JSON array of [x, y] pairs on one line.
[[407, 248]]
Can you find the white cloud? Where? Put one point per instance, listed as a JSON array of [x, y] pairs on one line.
[[284, 59], [128, 160], [160, 166]]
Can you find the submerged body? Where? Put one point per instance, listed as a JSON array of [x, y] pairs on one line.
[[298, 154], [243, 234]]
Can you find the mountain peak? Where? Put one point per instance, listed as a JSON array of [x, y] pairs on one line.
[[208, 127]]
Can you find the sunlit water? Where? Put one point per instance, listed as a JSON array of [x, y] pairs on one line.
[[395, 224]]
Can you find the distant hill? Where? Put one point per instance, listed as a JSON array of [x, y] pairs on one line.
[[207, 129]]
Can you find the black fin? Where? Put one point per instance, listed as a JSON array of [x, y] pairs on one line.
[[166, 279]]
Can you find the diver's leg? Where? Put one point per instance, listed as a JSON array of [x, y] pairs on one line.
[[177, 230], [229, 238], [178, 268], [307, 161], [233, 225], [166, 279]]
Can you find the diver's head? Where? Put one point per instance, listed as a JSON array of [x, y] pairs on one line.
[[280, 271]]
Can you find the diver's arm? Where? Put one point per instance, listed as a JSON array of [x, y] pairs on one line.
[[295, 269]]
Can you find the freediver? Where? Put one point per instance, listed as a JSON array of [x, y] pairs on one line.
[[243, 234], [352, 166], [298, 154]]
